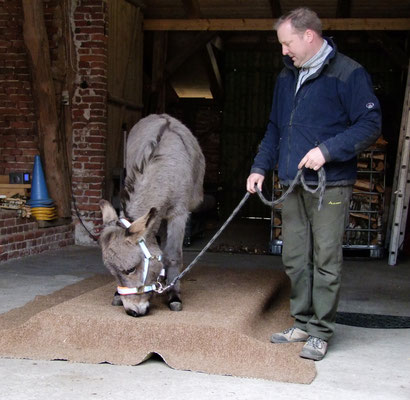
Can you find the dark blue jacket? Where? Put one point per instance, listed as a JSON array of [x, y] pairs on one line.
[[335, 109]]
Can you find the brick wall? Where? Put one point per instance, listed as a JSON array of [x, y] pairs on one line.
[[18, 136], [18, 129], [89, 113], [20, 237]]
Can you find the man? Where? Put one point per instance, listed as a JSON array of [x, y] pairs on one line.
[[324, 113]]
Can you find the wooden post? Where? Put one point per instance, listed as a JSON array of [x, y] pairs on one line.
[[50, 141], [70, 62]]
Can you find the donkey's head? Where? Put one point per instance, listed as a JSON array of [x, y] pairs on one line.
[[132, 255]]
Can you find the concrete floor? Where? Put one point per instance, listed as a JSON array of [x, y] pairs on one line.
[[361, 363]]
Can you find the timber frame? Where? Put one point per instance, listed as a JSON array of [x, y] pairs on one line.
[[208, 29], [262, 24], [56, 140], [52, 138], [376, 29]]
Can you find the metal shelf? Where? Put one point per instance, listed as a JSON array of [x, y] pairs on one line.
[[364, 234]]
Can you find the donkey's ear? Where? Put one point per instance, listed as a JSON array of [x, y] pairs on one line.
[[108, 212], [143, 224]]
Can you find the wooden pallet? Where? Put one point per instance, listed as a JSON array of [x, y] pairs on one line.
[[10, 189]]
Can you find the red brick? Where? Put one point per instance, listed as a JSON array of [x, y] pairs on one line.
[[94, 57], [90, 207], [28, 125], [95, 139], [10, 222], [93, 193]]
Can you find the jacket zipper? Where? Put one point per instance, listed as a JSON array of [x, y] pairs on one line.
[[314, 76], [290, 130]]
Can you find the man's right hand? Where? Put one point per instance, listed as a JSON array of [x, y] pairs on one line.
[[252, 179]]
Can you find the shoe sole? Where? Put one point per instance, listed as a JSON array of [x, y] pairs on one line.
[[287, 341], [314, 357]]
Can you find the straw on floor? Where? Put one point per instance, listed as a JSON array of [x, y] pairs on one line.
[[224, 328]]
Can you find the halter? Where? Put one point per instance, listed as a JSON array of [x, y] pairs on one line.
[[123, 290]]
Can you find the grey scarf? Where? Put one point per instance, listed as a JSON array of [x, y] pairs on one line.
[[313, 64]]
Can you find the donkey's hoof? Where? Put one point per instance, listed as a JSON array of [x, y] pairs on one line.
[[116, 301], [175, 306]]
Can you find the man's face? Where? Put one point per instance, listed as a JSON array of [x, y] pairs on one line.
[[294, 44]]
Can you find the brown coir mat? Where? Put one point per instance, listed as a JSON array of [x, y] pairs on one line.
[[224, 328]]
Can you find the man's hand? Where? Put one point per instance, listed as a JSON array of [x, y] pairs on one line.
[[313, 159], [252, 179]]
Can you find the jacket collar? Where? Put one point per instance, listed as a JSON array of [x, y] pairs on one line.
[[289, 64]]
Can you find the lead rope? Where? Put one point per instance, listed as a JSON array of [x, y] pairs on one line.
[[298, 178], [187, 269], [321, 186]]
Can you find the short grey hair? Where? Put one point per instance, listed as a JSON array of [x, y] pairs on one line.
[[301, 18]]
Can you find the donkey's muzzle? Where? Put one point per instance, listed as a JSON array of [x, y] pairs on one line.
[[134, 313]]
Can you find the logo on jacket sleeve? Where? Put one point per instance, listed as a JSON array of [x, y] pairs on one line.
[[369, 105]]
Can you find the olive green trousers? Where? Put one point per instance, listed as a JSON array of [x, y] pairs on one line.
[[312, 255]]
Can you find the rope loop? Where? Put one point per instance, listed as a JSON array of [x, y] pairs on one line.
[[299, 178]]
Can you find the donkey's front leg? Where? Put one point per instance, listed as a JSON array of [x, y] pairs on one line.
[[173, 258]]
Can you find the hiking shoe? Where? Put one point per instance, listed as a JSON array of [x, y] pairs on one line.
[[314, 349], [289, 336]]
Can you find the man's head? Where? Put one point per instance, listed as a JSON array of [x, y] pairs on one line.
[[300, 34]]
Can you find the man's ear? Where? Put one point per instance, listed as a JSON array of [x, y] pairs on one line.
[[142, 224], [309, 35], [108, 212]]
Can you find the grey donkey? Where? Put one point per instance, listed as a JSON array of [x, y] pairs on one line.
[[164, 182]]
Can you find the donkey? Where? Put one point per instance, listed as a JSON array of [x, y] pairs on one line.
[[164, 182]]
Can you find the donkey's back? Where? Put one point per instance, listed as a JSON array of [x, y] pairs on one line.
[[165, 168]]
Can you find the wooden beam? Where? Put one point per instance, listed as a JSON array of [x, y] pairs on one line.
[[160, 77], [343, 8], [122, 102], [199, 41], [69, 61], [275, 8], [214, 73], [261, 24], [137, 3], [192, 8], [218, 43], [50, 137]]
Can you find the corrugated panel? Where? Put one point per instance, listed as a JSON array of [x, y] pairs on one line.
[[250, 77]]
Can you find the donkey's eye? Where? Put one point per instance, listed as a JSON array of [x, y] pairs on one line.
[[130, 271]]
